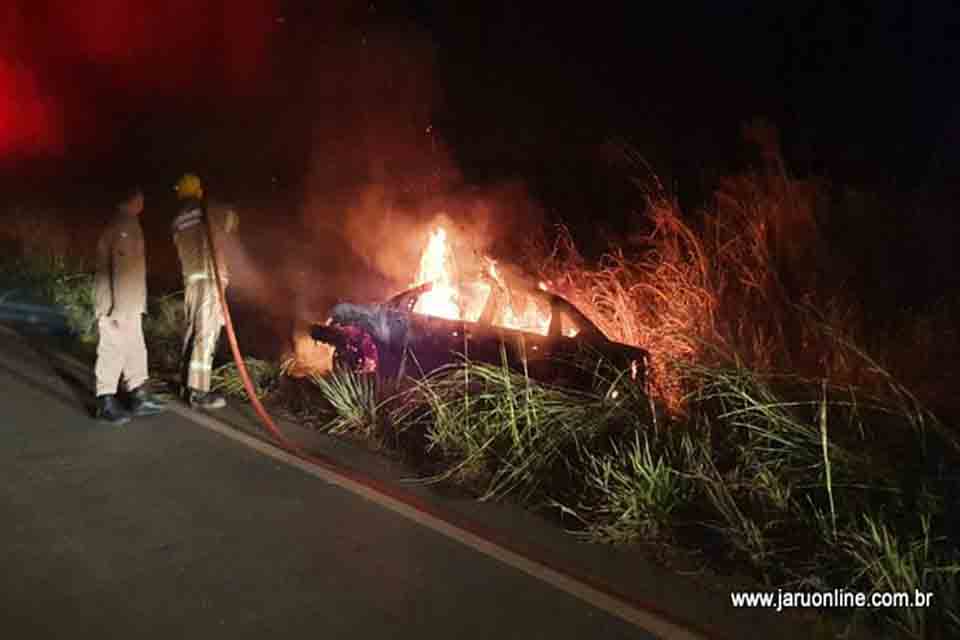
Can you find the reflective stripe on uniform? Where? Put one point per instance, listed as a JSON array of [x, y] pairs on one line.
[[187, 219], [204, 320]]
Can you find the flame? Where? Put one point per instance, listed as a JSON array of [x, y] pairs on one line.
[[529, 319], [455, 300], [436, 267]]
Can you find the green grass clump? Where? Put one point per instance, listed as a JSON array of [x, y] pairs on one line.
[[264, 376], [631, 493], [355, 400]]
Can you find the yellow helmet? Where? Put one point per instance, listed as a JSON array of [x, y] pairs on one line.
[[189, 186]]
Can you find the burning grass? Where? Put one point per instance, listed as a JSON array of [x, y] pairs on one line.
[[773, 440], [785, 447], [749, 280], [662, 304]]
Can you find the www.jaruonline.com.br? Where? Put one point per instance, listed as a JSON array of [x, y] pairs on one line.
[[838, 598]]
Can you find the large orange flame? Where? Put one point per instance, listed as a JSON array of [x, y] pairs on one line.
[[436, 267], [456, 300]]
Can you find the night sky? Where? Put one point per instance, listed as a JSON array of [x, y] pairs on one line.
[[866, 91], [296, 108], [257, 95]]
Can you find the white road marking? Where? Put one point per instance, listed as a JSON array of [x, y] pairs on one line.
[[645, 620]]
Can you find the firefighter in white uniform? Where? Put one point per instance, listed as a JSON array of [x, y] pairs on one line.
[[120, 290]]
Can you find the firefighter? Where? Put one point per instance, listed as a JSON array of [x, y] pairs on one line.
[[120, 290], [201, 301]]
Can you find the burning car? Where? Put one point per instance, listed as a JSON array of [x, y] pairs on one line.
[[393, 340], [442, 320]]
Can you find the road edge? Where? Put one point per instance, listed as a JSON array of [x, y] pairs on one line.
[[646, 618]]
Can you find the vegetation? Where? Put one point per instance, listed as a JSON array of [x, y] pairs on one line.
[[61, 285], [264, 376], [355, 400], [163, 328], [776, 435], [501, 432]]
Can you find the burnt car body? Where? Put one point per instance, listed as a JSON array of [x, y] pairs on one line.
[[393, 340]]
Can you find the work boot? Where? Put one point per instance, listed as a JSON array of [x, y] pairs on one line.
[[206, 400], [143, 404], [110, 411]]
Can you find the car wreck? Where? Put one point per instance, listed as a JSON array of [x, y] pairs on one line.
[[392, 340]]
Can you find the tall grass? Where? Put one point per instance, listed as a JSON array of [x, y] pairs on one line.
[[631, 492], [750, 276], [501, 432], [776, 436], [884, 562], [781, 468], [796, 435], [660, 302], [800, 498]]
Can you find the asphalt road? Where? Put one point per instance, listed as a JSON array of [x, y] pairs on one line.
[[163, 529]]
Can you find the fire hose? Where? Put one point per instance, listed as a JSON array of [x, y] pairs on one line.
[[525, 551], [258, 407]]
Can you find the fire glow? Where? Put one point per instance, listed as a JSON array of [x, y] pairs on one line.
[[455, 299], [436, 267], [29, 120]]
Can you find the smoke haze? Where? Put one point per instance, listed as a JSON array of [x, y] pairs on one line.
[[320, 123]]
